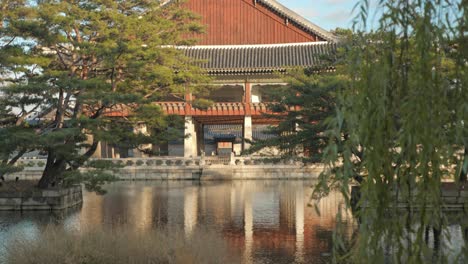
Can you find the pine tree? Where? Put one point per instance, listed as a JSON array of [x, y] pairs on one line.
[[302, 107], [75, 73]]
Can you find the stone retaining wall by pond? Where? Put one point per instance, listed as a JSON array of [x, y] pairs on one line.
[[453, 196], [209, 168], [52, 199]]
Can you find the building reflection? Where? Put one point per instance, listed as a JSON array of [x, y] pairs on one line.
[[190, 209], [258, 218]]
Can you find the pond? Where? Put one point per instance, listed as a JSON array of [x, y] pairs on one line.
[[265, 221]]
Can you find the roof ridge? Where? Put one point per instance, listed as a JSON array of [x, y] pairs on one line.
[[247, 46]]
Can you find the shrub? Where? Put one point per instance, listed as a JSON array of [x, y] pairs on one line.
[[139, 162], [119, 246], [129, 163]]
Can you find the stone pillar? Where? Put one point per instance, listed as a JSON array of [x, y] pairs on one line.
[[190, 139], [98, 152], [200, 139], [247, 132], [112, 151]]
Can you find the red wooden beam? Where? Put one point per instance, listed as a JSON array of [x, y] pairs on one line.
[[248, 99]]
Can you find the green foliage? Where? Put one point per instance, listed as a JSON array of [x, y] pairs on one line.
[[400, 128], [300, 110], [7, 168], [201, 103], [96, 174], [93, 180], [70, 70]]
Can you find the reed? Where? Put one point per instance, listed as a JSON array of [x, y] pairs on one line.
[[119, 246]]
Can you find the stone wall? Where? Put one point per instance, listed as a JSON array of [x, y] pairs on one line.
[[52, 199], [208, 168], [453, 196]]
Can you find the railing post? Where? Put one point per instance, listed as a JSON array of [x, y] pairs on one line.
[[202, 159], [232, 160], [247, 132]]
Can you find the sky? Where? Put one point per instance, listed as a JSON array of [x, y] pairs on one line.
[[328, 14]]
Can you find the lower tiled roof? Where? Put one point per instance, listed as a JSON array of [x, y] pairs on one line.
[[268, 58]]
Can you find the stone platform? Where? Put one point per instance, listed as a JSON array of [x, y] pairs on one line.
[[50, 200]]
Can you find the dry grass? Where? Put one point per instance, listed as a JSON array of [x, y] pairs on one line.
[[119, 246]]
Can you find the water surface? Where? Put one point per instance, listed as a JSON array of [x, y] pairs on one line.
[[263, 221]]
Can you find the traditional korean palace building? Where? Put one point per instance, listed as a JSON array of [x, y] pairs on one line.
[[247, 42]]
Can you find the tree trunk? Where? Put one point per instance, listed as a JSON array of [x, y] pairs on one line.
[[464, 170], [87, 155], [54, 168]]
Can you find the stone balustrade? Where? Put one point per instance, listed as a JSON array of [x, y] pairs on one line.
[[199, 168], [179, 161]]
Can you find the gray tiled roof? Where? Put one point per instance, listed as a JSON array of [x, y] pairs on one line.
[[259, 58]]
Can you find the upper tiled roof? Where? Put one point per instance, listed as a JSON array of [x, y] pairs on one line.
[[224, 59]]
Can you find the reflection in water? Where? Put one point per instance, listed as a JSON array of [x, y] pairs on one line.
[[299, 224], [265, 221], [190, 209]]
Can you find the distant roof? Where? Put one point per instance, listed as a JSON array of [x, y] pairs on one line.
[[267, 58]]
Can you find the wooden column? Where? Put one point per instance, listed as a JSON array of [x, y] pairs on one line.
[[248, 98], [188, 104]]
